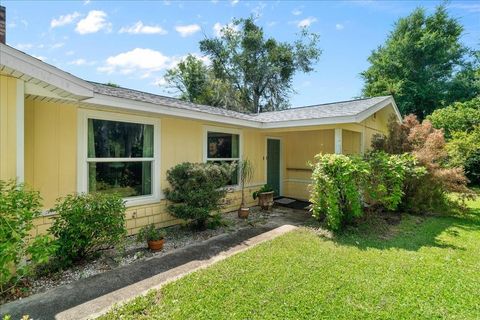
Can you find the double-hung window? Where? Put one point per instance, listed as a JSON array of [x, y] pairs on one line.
[[120, 157], [223, 146]]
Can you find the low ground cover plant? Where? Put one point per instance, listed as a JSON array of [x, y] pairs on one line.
[[86, 223], [19, 252], [196, 191]]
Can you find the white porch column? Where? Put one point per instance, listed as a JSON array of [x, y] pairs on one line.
[[20, 119], [338, 141]]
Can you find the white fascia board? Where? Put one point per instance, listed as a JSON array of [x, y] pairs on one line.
[[142, 106], [307, 122], [40, 70]]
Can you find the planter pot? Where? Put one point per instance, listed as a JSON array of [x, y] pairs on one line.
[[155, 245], [265, 200], [243, 213]]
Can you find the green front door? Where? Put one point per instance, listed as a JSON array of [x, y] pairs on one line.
[[273, 165]]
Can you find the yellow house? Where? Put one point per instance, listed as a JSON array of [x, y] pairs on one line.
[[61, 134]]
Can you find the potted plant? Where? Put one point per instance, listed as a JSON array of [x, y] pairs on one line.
[[153, 236], [265, 197], [246, 176]]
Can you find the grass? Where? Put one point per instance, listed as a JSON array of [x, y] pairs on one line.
[[422, 268]]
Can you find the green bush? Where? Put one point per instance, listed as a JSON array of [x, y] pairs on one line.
[[464, 150], [86, 223], [460, 116], [338, 183], [196, 190], [385, 184], [18, 208], [150, 233]]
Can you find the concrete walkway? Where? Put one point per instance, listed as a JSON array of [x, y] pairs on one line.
[[92, 296]]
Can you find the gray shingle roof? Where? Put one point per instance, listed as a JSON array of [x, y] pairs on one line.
[[328, 110]]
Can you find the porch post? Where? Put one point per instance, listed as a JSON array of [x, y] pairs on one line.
[[338, 141]]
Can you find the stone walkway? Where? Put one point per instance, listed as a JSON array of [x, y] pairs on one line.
[[89, 296]]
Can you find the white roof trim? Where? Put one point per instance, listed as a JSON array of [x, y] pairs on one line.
[[127, 104], [26, 64], [58, 80]]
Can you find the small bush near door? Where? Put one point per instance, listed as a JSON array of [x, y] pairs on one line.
[[86, 223], [196, 190], [18, 208]]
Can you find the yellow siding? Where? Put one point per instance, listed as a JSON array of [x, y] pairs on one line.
[[8, 128], [351, 142], [51, 155], [50, 149]]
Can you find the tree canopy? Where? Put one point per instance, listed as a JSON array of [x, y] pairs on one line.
[[460, 116], [423, 64], [248, 72]]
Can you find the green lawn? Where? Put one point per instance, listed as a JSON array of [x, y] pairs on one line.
[[423, 268]]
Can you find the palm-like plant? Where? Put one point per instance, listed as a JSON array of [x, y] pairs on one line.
[[246, 175]]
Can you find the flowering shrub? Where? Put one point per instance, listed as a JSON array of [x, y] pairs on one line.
[[18, 208], [196, 190]]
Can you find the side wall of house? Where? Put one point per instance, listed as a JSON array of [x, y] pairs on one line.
[[8, 128], [51, 159]]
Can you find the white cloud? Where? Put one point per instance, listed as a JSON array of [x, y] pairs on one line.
[[70, 53], [57, 45], [137, 60], [296, 12], [234, 2], [64, 20], [82, 62], [161, 82], [140, 28], [24, 46], [94, 22], [218, 27], [86, 2], [306, 22], [339, 26], [187, 30]]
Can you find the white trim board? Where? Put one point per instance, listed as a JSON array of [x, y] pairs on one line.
[[82, 159]]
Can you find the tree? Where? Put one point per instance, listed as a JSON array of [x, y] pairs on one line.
[[423, 64], [195, 82], [460, 116], [190, 78], [260, 70]]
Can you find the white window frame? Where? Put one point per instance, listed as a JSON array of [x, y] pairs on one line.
[[83, 160], [207, 129]]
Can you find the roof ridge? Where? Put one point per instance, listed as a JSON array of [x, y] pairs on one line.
[[324, 104]]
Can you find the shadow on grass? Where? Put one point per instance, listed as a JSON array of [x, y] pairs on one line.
[[412, 232]]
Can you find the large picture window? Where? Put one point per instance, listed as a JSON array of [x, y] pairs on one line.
[[119, 156], [224, 147]]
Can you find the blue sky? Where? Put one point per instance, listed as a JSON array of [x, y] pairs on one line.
[[132, 43]]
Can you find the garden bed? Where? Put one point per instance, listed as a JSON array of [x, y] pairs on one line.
[[177, 237]]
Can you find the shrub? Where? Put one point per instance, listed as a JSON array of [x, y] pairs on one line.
[[385, 184], [18, 208], [86, 223], [427, 145], [336, 193], [196, 190], [460, 116], [464, 150]]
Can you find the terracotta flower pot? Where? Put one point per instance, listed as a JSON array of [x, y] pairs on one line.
[[155, 245], [265, 200], [243, 213]]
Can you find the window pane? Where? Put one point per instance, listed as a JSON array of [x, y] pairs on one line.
[[114, 139], [234, 179], [128, 179], [223, 145]]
